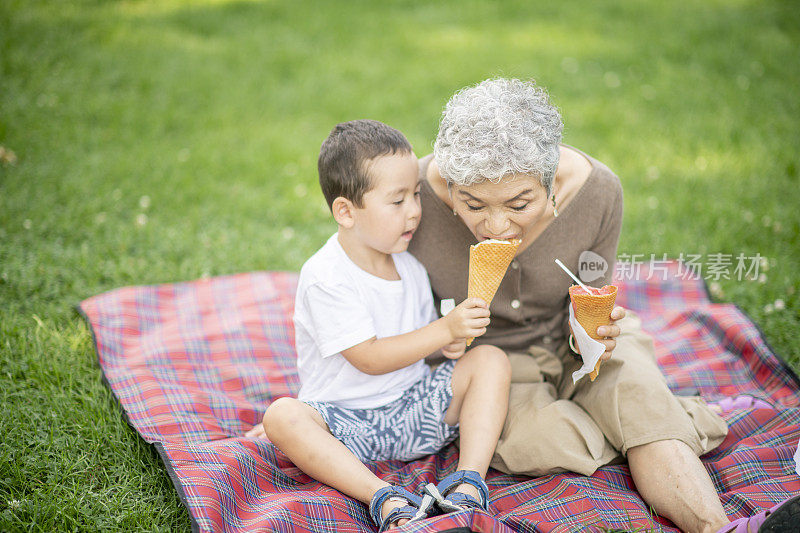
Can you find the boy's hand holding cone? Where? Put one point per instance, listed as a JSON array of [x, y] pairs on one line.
[[469, 319]]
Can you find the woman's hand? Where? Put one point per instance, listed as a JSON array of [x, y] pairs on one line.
[[610, 332]]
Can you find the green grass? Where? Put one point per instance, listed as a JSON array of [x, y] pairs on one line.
[[159, 141]]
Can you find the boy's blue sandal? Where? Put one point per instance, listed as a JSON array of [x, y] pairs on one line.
[[449, 501], [416, 509]]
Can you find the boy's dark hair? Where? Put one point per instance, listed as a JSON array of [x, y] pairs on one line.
[[342, 157]]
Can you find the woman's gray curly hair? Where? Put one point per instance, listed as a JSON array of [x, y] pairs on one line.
[[496, 128]]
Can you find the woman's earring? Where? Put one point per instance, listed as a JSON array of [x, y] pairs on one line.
[[555, 209], [454, 212]]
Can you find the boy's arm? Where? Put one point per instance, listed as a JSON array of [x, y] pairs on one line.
[[380, 356]]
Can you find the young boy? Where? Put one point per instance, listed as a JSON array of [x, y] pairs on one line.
[[365, 320]]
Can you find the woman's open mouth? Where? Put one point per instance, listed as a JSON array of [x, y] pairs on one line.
[[504, 238]]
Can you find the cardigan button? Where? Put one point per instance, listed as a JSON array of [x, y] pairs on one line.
[[514, 265], [515, 304]]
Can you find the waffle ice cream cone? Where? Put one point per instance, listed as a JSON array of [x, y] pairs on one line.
[[593, 310], [488, 262]]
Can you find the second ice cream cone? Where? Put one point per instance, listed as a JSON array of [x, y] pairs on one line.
[[592, 311]]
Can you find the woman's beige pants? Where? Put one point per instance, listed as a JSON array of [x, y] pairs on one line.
[[554, 425]]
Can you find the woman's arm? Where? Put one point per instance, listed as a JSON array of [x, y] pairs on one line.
[[608, 237], [606, 246]]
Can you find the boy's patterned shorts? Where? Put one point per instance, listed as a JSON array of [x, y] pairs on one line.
[[406, 429]]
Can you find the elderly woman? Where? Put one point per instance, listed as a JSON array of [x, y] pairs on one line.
[[499, 171]]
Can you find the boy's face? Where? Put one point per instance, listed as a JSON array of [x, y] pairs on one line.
[[391, 209]]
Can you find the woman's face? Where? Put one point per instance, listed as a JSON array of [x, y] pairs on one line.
[[504, 210]]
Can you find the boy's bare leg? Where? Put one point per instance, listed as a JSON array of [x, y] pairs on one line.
[[302, 435], [480, 382]]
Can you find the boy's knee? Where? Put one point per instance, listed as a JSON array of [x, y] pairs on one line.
[[491, 359], [281, 415]]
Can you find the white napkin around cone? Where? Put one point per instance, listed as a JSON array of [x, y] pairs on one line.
[[591, 350]]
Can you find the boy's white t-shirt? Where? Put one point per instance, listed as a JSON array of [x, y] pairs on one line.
[[339, 305]]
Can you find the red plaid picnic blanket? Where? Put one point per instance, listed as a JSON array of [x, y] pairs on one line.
[[195, 364]]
